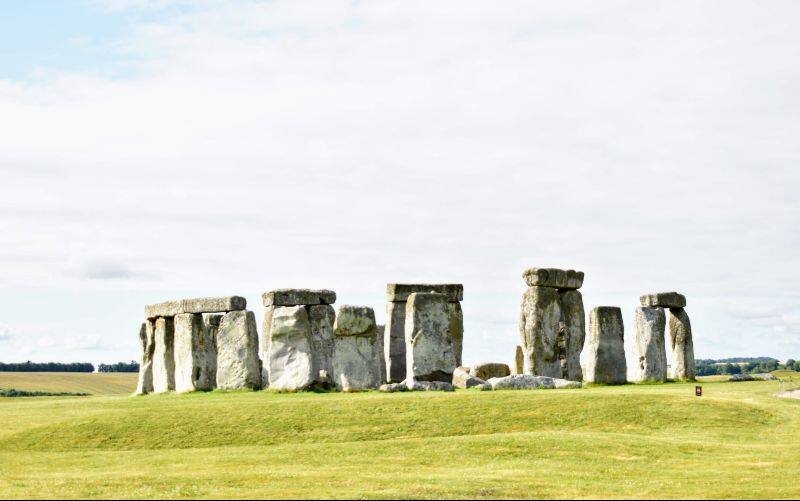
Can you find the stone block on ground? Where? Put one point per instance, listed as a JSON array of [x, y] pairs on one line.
[[539, 328], [238, 365], [144, 384], [297, 297], [290, 359], [393, 387], [664, 300], [429, 343], [521, 382], [463, 379], [195, 360], [164, 355], [651, 353], [489, 370], [606, 363], [356, 364], [401, 292], [430, 386]]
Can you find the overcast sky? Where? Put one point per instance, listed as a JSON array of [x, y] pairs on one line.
[[152, 150]]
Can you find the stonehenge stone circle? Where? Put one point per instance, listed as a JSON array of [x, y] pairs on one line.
[[237, 362], [486, 371], [394, 337], [147, 340], [539, 329], [164, 355], [429, 342], [606, 361], [193, 354], [680, 333], [356, 365], [651, 354], [290, 358]]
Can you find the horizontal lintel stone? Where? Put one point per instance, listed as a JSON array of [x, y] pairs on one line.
[[553, 277], [196, 305], [664, 300], [297, 297], [399, 292]]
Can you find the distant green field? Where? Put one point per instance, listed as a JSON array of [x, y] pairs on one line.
[[735, 441], [119, 383]]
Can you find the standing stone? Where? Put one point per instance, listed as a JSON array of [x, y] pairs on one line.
[[238, 365], [356, 365], [164, 356], [457, 329], [394, 342], [651, 355], [539, 327], [193, 369], [322, 318], [574, 323], [606, 362], [429, 342], [290, 359], [519, 361], [147, 339], [379, 342], [266, 326], [680, 333]]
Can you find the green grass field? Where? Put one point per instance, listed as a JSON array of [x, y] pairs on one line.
[[736, 441], [119, 383]]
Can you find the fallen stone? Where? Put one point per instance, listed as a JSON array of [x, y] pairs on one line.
[[539, 328], [664, 300], [197, 305], [680, 333], [164, 356], [561, 384], [430, 386], [651, 353], [741, 377], [147, 341], [393, 387], [195, 367], [457, 329], [486, 371], [519, 361], [573, 318], [606, 361], [238, 365], [764, 376], [429, 344], [401, 292], [296, 297], [290, 360], [463, 379], [355, 361], [322, 318], [394, 342], [553, 277], [521, 382]]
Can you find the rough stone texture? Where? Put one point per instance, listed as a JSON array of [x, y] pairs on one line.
[[463, 379], [379, 341], [457, 329], [393, 387], [573, 318], [401, 292], [356, 365], [429, 343], [741, 377], [539, 327], [296, 297], [238, 366], [561, 384], [322, 318], [394, 342], [521, 382], [680, 334], [664, 300], [147, 340], [196, 305], [164, 356], [430, 386], [553, 277], [195, 360], [290, 359], [487, 371], [651, 354], [753, 377], [519, 361], [606, 361]]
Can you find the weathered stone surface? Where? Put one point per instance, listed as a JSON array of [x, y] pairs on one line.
[[290, 358], [401, 292], [430, 386], [553, 277], [147, 341], [394, 342], [356, 365], [429, 343], [164, 356], [741, 377], [393, 387], [195, 361], [573, 318], [196, 305], [539, 328], [561, 384], [753, 377], [606, 361], [463, 379], [664, 300], [521, 382], [379, 342], [296, 297], [519, 361], [680, 333], [238, 366], [266, 327], [457, 329], [489, 370], [322, 318], [651, 353]]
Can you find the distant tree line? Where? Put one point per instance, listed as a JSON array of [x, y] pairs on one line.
[[47, 367], [119, 367], [742, 365]]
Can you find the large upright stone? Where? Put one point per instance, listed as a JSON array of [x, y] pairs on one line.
[[394, 342], [238, 366], [651, 355], [664, 300], [680, 333], [356, 362], [429, 342], [606, 361], [381, 330], [574, 321], [457, 329], [290, 359], [539, 327], [195, 367], [147, 340], [164, 356], [322, 318], [519, 361]]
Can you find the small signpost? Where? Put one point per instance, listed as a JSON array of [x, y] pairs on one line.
[[698, 390]]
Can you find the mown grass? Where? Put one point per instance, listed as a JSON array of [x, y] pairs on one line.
[[70, 382], [738, 440]]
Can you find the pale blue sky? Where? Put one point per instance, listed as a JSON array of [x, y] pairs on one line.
[[156, 149]]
